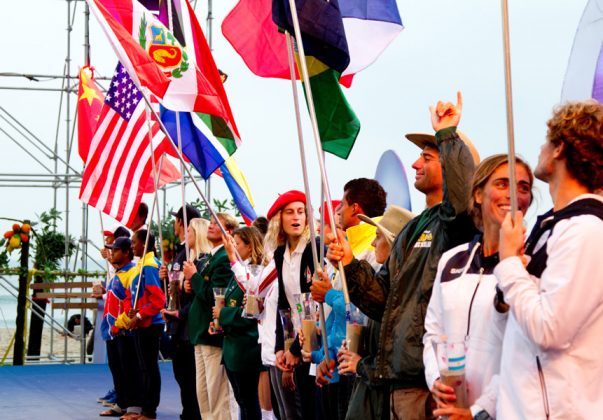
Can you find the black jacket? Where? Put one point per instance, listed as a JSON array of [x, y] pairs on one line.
[[399, 293], [283, 303]]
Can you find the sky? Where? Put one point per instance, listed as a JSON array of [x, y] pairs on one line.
[[446, 46]]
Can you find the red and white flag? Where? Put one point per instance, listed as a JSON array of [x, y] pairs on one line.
[[157, 60], [118, 165]]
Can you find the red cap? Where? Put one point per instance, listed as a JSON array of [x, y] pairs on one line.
[[284, 199], [335, 204], [108, 232]]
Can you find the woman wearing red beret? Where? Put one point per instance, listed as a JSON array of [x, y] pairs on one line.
[[289, 238]]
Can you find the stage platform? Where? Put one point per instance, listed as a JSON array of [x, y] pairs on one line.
[[69, 392]]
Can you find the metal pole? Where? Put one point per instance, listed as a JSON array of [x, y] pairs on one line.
[[165, 290], [87, 34], [100, 216], [67, 134], [179, 136], [84, 205], [509, 100], [146, 241], [84, 243], [56, 155], [309, 210], [186, 168], [182, 188], [210, 18], [144, 254], [33, 76], [321, 163], [156, 187]]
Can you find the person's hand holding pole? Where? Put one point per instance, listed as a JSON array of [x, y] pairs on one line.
[[320, 286], [339, 248], [512, 236]]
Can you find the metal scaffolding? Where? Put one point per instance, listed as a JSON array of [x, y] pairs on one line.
[[56, 170]]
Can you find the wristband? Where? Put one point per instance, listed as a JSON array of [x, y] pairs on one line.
[[138, 316]]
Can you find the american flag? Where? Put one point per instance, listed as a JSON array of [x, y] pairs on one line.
[[119, 161]]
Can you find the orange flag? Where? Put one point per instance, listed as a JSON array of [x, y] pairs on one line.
[[89, 105]]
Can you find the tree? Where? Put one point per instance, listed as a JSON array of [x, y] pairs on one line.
[[49, 254]]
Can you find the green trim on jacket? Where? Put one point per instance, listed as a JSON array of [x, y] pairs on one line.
[[241, 350]]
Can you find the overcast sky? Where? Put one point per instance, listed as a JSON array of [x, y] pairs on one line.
[[446, 46]]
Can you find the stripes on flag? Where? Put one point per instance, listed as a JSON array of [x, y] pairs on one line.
[[119, 161]]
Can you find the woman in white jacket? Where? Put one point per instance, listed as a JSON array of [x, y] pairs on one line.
[[464, 305]]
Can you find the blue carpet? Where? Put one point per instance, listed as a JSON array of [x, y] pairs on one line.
[[57, 392]]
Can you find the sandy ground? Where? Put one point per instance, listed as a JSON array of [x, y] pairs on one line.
[[58, 346]]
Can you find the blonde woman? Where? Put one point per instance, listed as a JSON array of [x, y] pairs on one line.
[[213, 390], [289, 237], [180, 350]]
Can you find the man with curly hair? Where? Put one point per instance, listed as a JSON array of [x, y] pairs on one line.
[[552, 364]]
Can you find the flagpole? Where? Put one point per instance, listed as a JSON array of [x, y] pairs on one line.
[[309, 210], [144, 252], [100, 214], [179, 136], [321, 163], [509, 101], [187, 170], [158, 213], [182, 188], [144, 92], [156, 176], [210, 18]]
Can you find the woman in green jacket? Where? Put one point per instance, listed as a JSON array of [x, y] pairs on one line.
[[241, 350]]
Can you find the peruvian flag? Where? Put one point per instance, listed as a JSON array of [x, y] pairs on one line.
[[156, 60]]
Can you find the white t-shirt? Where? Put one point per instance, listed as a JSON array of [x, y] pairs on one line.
[[291, 281]]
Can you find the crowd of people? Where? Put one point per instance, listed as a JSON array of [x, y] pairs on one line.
[[519, 320]]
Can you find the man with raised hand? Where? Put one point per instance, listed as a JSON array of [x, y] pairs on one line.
[[399, 293]]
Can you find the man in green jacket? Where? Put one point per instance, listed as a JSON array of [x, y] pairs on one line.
[[399, 293], [213, 392]]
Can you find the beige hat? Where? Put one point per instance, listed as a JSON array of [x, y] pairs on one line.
[[424, 139], [392, 222]]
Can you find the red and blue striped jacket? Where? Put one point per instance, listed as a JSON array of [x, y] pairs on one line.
[[151, 298], [116, 294]]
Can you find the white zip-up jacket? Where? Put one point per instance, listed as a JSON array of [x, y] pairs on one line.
[[556, 321], [462, 308]]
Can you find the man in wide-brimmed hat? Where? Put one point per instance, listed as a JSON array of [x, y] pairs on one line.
[[399, 293]]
